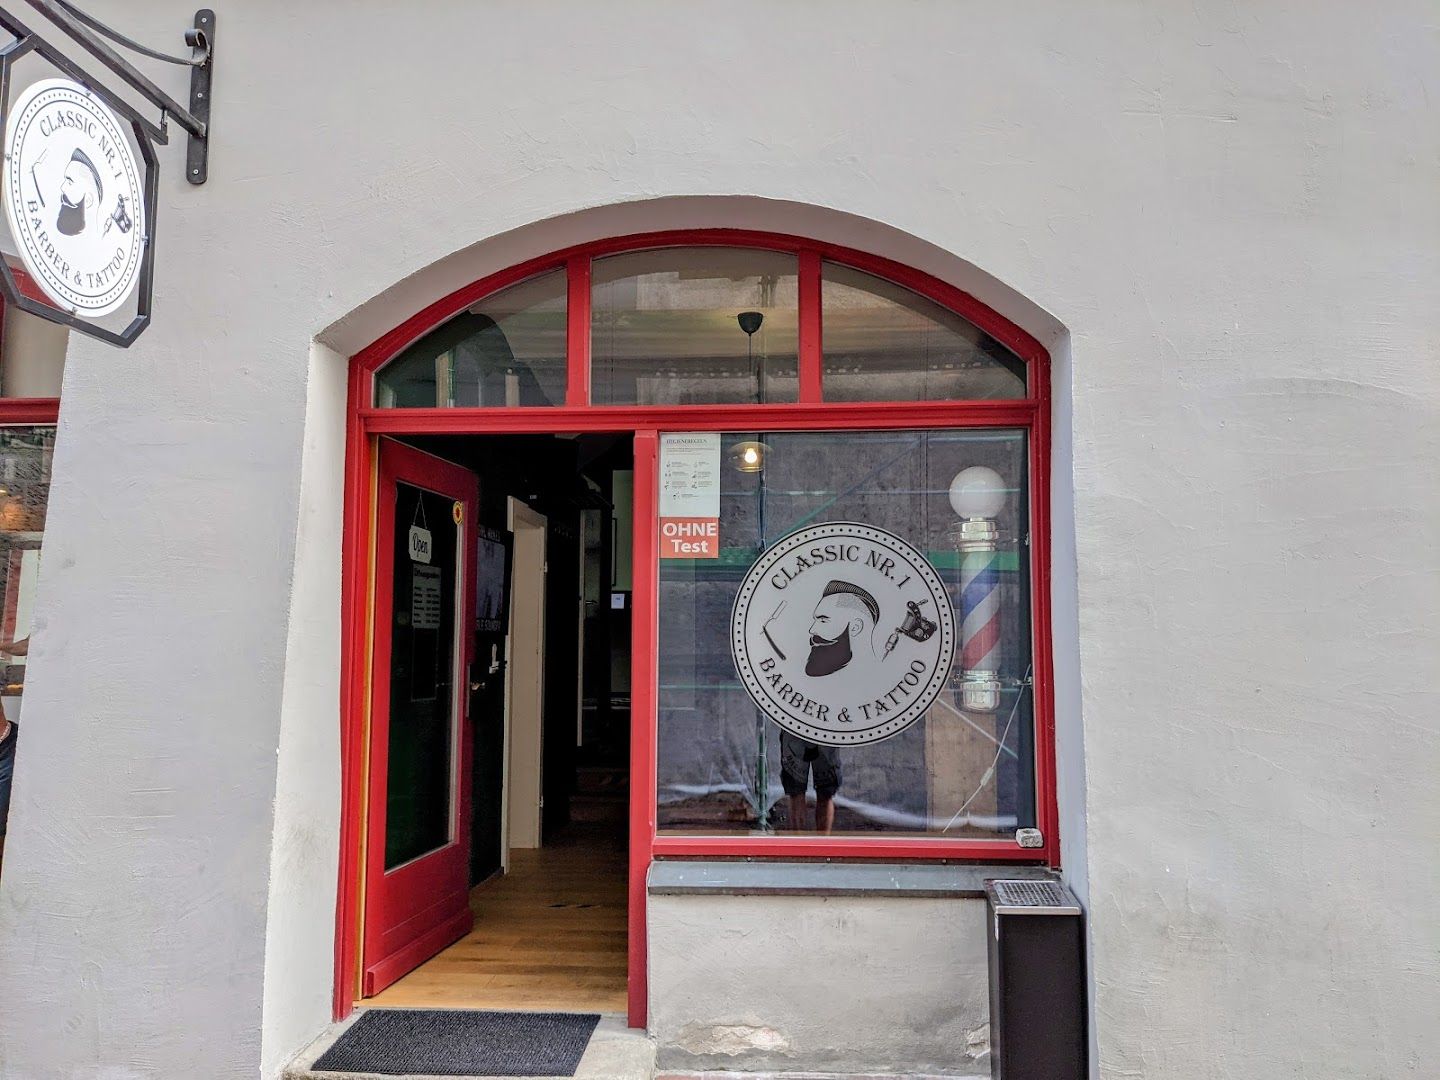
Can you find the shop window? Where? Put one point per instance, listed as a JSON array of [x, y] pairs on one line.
[[883, 342], [505, 350], [32, 356], [845, 645], [682, 326], [25, 459]]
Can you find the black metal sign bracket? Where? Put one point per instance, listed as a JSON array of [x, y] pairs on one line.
[[197, 154], [86, 31]]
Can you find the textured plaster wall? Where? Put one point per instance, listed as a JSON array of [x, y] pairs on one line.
[[1231, 207], [830, 984], [304, 852]]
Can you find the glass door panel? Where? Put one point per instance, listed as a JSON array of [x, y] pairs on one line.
[[420, 788]]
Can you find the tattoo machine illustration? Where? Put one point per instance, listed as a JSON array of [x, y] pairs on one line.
[[916, 627], [120, 218]]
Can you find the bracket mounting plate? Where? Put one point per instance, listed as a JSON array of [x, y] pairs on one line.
[[197, 151]]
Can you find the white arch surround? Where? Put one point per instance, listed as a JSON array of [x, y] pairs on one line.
[[298, 982], [386, 310]]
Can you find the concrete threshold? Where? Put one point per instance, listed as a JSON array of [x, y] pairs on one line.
[[616, 1052], [802, 1075]]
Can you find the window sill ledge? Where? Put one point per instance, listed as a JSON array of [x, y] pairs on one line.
[[709, 877]]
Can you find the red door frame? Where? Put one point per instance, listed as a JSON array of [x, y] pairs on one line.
[[365, 423], [432, 874]]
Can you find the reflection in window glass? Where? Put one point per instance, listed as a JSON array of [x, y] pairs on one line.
[[507, 349], [32, 355], [955, 771], [681, 326], [420, 756], [25, 456], [883, 342]]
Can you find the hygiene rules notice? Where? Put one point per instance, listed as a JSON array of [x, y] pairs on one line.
[[690, 495]]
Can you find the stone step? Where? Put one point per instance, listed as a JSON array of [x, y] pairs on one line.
[[816, 1076], [616, 1052]]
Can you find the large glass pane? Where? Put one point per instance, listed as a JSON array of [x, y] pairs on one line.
[[420, 772], [32, 355], [682, 326], [507, 349], [959, 767], [883, 342], [25, 456]]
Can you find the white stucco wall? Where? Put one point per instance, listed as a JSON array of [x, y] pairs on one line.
[[304, 852], [834, 985], [1231, 208]]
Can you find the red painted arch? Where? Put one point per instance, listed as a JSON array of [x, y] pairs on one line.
[[364, 423]]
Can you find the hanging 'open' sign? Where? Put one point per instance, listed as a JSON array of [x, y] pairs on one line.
[[419, 544]]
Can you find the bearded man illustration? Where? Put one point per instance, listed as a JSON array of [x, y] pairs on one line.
[[844, 621], [79, 190]]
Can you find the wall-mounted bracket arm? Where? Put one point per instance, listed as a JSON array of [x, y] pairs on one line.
[[84, 30]]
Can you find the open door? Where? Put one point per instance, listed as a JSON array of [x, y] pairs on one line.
[[417, 855]]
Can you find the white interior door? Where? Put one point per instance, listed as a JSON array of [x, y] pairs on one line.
[[525, 682]]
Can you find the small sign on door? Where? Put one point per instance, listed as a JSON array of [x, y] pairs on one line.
[[419, 544], [425, 605]]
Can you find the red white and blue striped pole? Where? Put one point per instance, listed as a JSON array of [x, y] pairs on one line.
[[977, 495]]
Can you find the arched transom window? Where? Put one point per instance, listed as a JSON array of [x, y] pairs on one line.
[[702, 326]]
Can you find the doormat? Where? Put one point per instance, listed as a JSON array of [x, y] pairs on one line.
[[460, 1042]]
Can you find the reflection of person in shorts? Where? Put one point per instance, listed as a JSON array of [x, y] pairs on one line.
[[9, 735], [799, 761]]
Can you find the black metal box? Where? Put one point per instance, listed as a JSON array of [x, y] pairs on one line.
[[1036, 943]]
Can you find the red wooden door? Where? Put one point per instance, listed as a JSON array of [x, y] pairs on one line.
[[417, 860]]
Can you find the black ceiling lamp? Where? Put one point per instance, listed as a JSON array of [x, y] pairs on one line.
[[750, 322]]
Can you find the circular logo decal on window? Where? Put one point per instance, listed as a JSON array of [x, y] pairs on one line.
[[73, 196], [843, 634]]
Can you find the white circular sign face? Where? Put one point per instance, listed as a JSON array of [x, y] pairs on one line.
[[74, 197], [843, 634]]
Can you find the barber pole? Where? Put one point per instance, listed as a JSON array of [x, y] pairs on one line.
[[977, 494]]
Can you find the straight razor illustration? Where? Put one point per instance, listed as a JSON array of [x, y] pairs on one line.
[[765, 629], [35, 180]]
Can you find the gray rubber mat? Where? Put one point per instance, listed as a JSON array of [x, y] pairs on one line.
[[456, 1042]]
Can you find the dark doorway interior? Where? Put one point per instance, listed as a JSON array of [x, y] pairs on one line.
[[570, 891]]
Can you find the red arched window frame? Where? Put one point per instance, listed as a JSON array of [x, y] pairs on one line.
[[366, 422]]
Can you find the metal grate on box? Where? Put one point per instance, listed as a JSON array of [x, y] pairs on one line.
[[1037, 897], [1030, 893]]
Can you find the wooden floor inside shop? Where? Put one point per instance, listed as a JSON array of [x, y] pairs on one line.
[[550, 934]]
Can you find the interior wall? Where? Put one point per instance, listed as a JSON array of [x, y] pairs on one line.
[[526, 650]]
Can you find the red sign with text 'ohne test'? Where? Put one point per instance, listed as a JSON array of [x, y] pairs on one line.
[[689, 538]]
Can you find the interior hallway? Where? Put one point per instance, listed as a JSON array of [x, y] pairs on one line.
[[551, 934]]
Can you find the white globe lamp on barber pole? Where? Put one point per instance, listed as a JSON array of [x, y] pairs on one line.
[[977, 495]]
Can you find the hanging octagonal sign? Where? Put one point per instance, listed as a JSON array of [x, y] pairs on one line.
[[843, 634], [74, 197]]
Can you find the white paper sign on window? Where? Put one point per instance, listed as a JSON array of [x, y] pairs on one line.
[[425, 598], [690, 495]]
